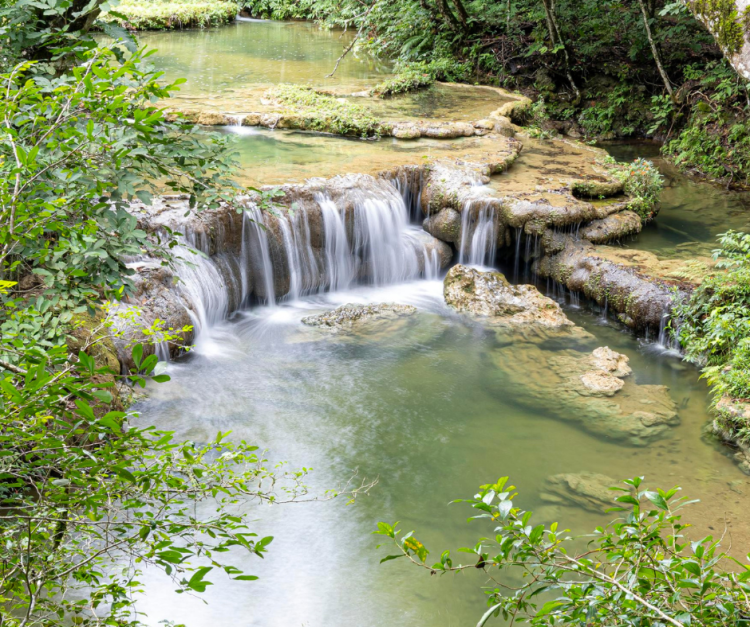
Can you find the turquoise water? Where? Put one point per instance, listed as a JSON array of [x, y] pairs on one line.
[[432, 408]]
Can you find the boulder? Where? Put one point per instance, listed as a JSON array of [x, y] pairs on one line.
[[445, 225], [490, 295], [642, 300], [613, 227], [350, 317]]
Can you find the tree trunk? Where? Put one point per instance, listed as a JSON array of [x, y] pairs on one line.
[[556, 39], [463, 16], [724, 20], [655, 51], [447, 14]]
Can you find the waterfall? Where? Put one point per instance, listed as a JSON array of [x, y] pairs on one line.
[[409, 184], [431, 265], [317, 245], [478, 234], [203, 286], [386, 245], [256, 254], [303, 269], [340, 270], [667, 340], [236, 120]]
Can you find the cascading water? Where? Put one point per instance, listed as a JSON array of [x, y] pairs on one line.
[[311, 248], [255, 254], [479, 231], [303, 268], [340, 270], [384, 241], [202, 283]]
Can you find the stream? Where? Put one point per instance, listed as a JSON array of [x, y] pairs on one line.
[[421, 405]]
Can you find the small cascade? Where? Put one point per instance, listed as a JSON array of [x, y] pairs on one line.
[[382, 239], [517, 259], [203, 285], [605, 310], [235, 120], [340, 270], [431, 265], [667, 339], [409, 184], [303, 269], [256, 256], [479, 231]]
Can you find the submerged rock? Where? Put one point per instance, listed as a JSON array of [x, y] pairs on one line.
[[490, 295], [594, 390], [588, 490], [349, 316]]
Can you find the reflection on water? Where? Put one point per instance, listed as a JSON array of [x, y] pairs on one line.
[[421, 407], [217, 60], [271, 157]]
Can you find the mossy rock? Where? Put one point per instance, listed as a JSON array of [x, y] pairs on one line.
[[87, 329]]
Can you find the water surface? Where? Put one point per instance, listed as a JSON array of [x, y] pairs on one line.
[[422, 407]]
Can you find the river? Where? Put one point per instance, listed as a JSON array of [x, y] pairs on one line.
[[431, 407]]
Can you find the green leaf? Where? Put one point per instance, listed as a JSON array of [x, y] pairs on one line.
[[388, 558]]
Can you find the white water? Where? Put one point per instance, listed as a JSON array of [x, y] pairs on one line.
[[479, 231], [255, 252], [339, 262], [379, 247]]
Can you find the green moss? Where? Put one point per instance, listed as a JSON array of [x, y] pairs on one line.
[[173, 14], [320, 112], [726, 24], [411, 79]]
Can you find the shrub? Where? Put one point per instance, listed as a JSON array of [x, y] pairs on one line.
[[714, 324], [642, 182], [408, 80], [637, 571]]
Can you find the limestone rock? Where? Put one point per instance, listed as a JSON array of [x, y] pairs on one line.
[[588, 490], [613, 227], [406, 131], [600, 383], [445, 225], [604, 358], [489, 295], [640, 299], [349, 316]]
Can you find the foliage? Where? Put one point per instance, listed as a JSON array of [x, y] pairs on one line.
[[325, 113], [74, 150], [714, 321], [716, 137], [642, 182], [84, 488], [412, 78], [281, 9], [538, 124], [172, 14], [639, 570]]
